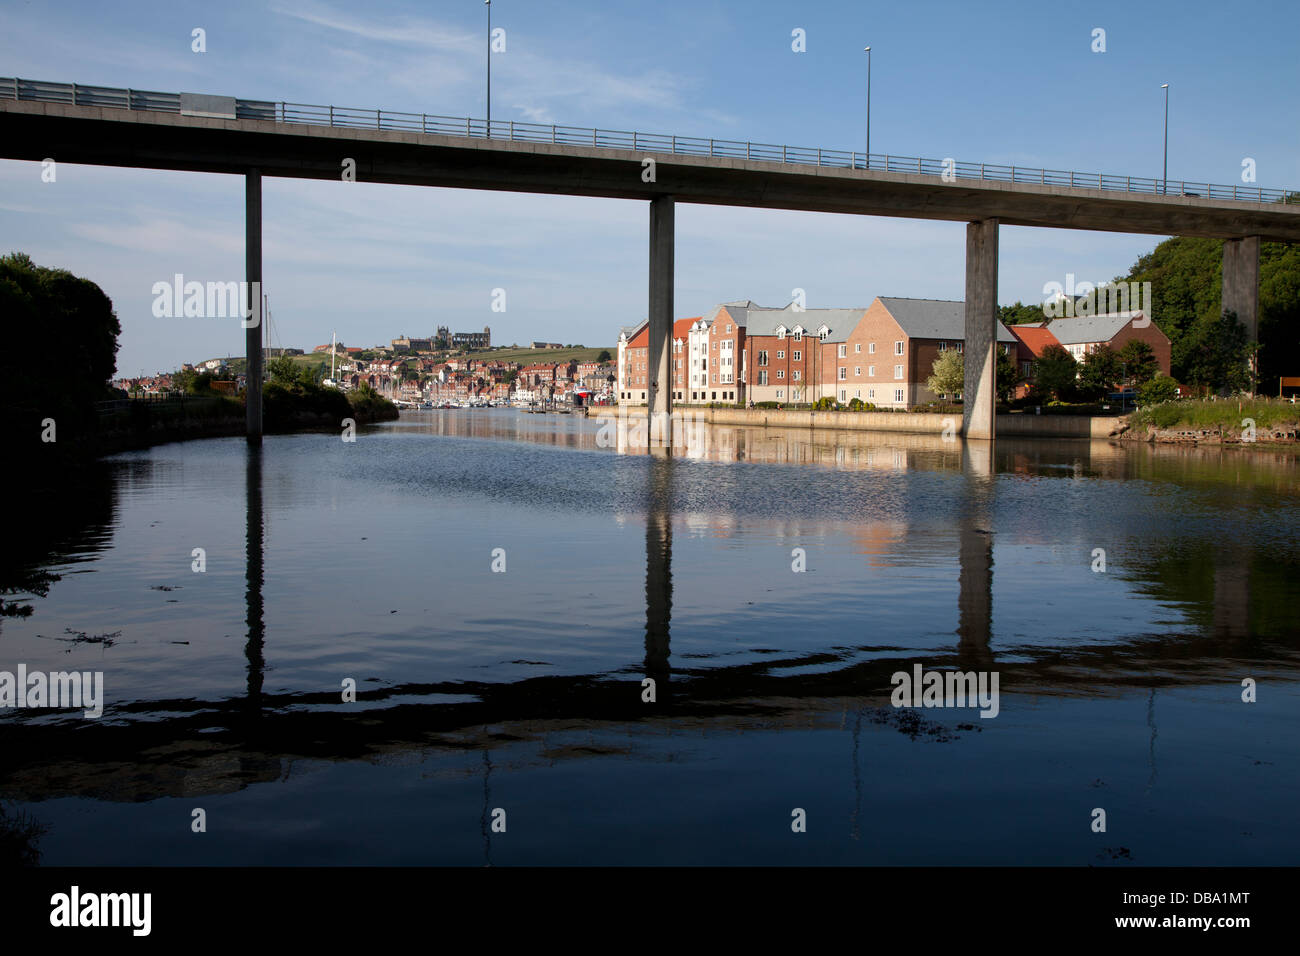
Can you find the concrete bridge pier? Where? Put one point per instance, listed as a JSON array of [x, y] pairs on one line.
[[979, 397], [1241, 282], [253, 324], [659, 367]]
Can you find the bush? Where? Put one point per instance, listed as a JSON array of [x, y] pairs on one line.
[[1162, 388]]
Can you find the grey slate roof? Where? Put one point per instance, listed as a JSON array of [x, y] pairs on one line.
[[935, 319], [1088, 328], [840, 322]]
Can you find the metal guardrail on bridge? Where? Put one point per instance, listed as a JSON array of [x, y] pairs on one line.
[[513, 130]]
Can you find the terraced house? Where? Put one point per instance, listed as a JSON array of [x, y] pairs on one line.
[[891, 351], [786, 351], [716, 350], [742, 352]]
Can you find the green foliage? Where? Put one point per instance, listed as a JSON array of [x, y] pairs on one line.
[[1138, 361], [1186, 276], [604, 356], [1019, 313], [1222, 414], [1054, 373], [1100, 371], [1219, 355], [51, 312], [949, 373], [1160, 388], [1006, 374], [369, 406]]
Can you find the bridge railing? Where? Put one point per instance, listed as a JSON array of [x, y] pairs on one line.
[[513, 130]]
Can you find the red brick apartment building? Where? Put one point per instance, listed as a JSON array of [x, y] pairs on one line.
[[787, 351]]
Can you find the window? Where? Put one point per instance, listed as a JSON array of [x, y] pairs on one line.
[[728, 329], [871, 348], [779, 393], [898, 371], [780, 373], [714, 394], [796, 356], [857, 347], [871, 393], [762, 376], [898, 394], [780, 354], [844, 372], [715, 347], [943, 346], [843, 395], [796, 375], [715, 378], [844, 350], [798, 335], [898, 348], [857, 371], [762, 357], [1006, 350], [857, 393], [871, 371], [1026, 368]]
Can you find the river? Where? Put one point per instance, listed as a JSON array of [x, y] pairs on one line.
[[499, 586]]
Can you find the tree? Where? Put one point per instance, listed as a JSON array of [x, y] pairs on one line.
[[1054, 372], [282, 370], [1139, 361], [1007, 376], [1100, 371], [949, 374], [604, 356], [1221, 355], [1020, 313], [51, 312], [1159, 389]]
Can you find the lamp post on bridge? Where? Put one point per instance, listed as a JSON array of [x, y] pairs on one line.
[[1164, 179], [867, 50], [488, 4]]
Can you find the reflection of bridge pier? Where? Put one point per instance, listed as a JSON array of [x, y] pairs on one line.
[[975, 556], [253, 575], [658, 565]]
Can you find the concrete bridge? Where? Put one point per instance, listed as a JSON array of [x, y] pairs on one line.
[[254, 138]]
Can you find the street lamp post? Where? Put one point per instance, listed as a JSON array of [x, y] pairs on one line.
[[1164, 178], [867, 50], [488, 4]]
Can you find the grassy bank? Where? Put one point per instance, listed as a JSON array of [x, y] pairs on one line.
[[1224, 414]]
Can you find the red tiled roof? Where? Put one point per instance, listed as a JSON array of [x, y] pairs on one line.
[[1034, 339], [682, 326]]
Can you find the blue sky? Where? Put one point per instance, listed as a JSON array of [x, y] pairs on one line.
[[1012, 82]]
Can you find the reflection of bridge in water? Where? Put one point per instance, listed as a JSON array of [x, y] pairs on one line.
[[173, 747]]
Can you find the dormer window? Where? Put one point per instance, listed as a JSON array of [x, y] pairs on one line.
[[823, 332], [798, 333], [780, 331]]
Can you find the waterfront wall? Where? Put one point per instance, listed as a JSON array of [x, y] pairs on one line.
[[1035, 426]]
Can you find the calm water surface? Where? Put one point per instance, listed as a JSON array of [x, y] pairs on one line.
[[521, 690]]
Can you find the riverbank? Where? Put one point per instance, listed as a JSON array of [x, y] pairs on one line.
[[132, 425], [1017, 425], [1224, 421]]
